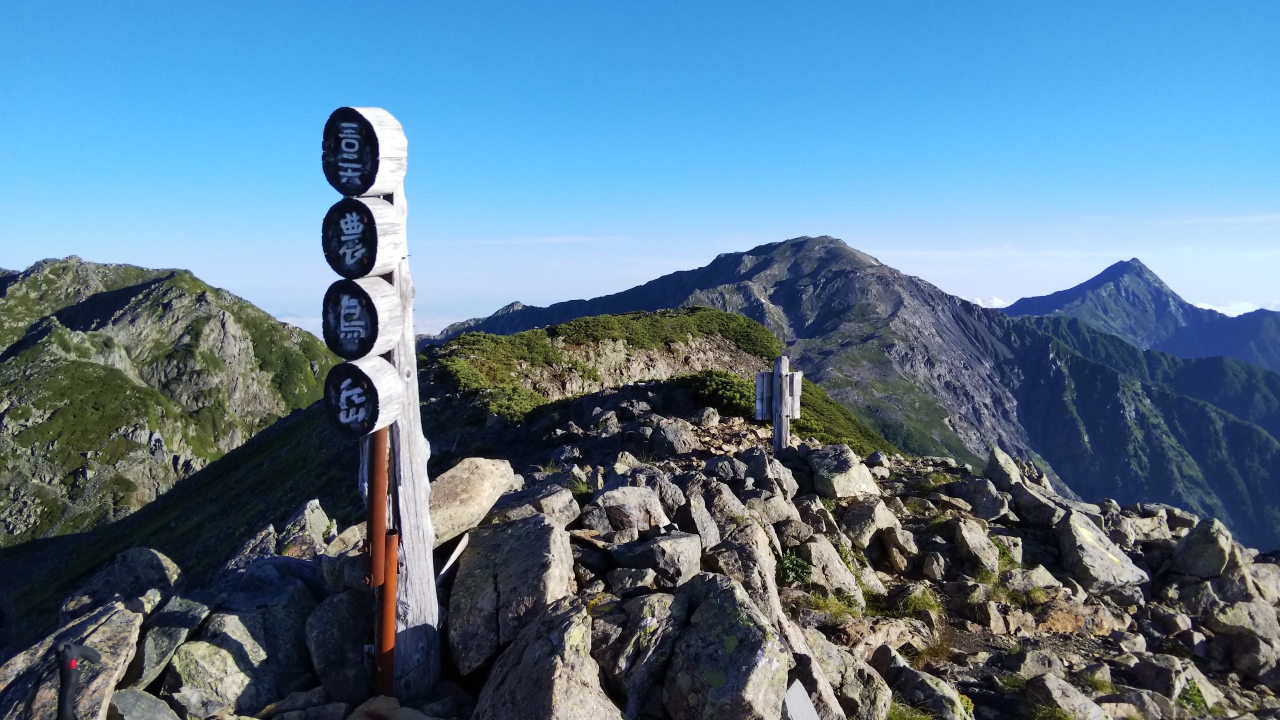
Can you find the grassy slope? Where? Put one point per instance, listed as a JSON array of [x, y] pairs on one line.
[[488, 368]]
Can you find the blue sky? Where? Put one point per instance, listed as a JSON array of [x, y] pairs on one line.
[[570, 149]]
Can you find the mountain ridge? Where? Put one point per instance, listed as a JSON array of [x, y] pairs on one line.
[[935, 374], [1130, 301]]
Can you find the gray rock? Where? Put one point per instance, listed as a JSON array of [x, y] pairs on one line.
[[138, 705], [1051, 691], [693, 517], [635, 657], [296, 701], [986, 502], [792, 531], [1002, 470], [725, 508], [862, 522], [1096, 563], [745, 557], [837, 473], [1012, 545], [672, 437], [1031, 663], [506, 576], [1035, 507], [726, 469], [337, 632], [707, 417], [1204, 552], [251, 652], [861, 692], [629, 582], [130, 575], [262, 545], [768, 473], [1020, 580], [729, 662], [548, 671], [303, 534], [879, 459], [975, 547], [636, 507], [29, 680], [552, 500], [935, 567], [828, 570], [917, 688], [1257, 618], [464, 495], [1169, 676], [674, 557], [816, 515], [166, 630], [1151, 705]]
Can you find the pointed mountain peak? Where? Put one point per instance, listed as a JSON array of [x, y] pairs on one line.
[[1126, 299]]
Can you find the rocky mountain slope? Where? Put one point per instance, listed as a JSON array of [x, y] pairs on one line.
[[687, 574], [118, 381], [936, 375], [1130, 301]]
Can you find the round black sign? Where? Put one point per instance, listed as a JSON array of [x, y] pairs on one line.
[[351, 399], [350, 320], [350, 238], [349, 152]]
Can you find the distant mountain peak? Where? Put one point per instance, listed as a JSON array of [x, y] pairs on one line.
[[1127, 299]]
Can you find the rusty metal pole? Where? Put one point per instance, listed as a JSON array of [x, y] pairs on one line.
[[387, 616], [376, 529]]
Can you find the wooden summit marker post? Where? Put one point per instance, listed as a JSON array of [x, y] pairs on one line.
[[368, 321], [778, 399]]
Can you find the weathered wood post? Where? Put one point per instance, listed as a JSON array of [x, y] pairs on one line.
[[778, 399], [368, 321]]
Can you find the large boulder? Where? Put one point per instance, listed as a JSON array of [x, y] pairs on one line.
[[828, 570], [693, 517], [674, 557], [633, 643], [251, 652], [303, 535], [768, 472], [1095, 562], [862, 522], [337, 632], [1203, 552], [1002, 470], [729, 664], [746, 557], [29, 681], [1169, 676], [917, 688], [1035, 507], [674, 437], [167, 629], [550, 499], [548, 671], [861, 692], [464, 495], [1049, 690], [838, 473], [725, 509], [1256, 618], [131, 575], [138, 705], [631, 507], [506, 575], [976, 547], [984, 499]]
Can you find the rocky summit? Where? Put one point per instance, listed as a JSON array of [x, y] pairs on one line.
[[657, 561], [116, 382]]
